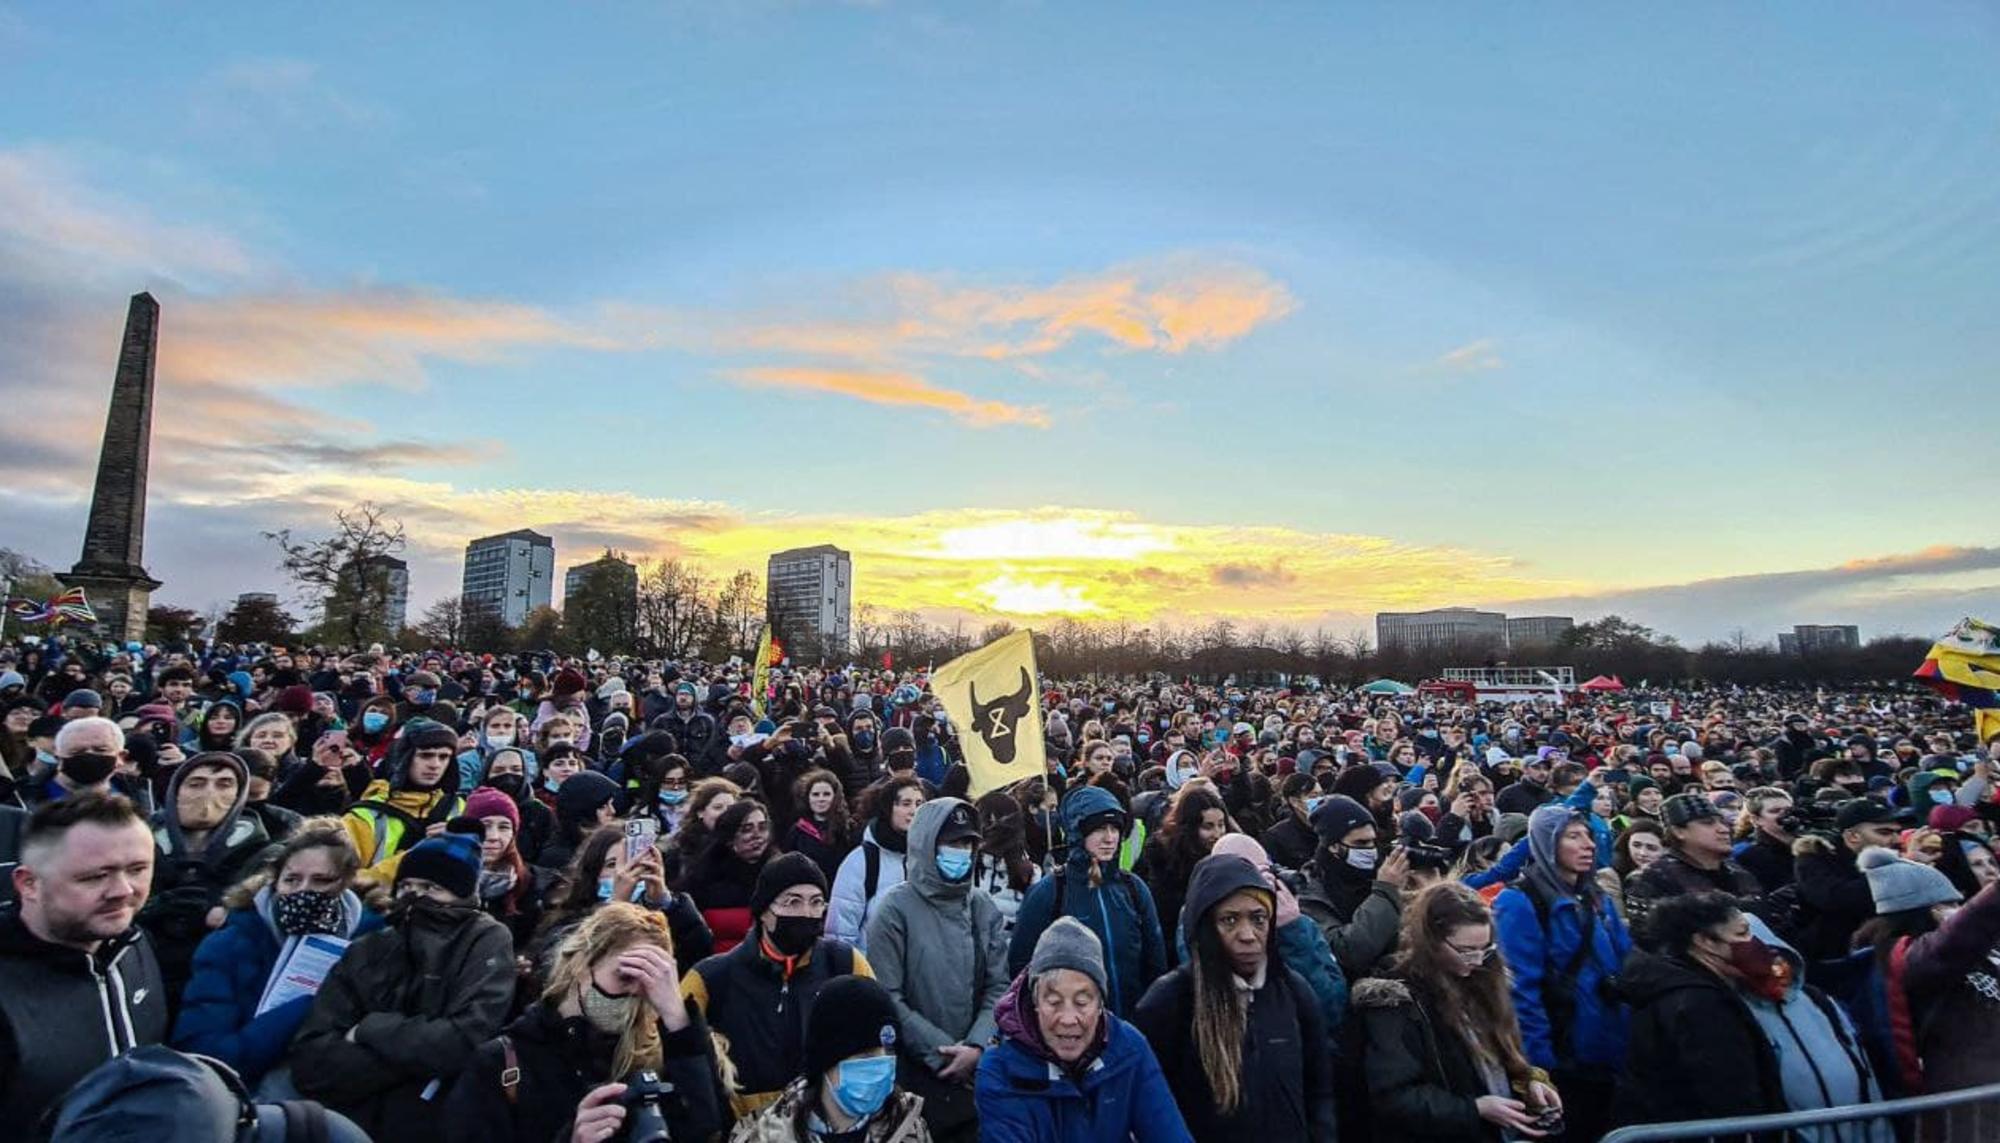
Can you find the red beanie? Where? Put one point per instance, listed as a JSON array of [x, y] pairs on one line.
[[487, 802], [1949, 818]]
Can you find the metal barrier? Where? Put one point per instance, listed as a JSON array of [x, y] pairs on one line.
[[1972, 1115]]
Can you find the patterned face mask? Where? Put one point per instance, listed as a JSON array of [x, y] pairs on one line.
[[605, 1012], [309, 911]]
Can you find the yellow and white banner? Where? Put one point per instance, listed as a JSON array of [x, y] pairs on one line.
[[994, 697], [760, 675]]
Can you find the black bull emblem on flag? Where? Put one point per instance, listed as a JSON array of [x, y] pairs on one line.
[[997, 721]]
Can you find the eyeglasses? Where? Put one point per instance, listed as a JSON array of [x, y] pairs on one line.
[[1478, 955]]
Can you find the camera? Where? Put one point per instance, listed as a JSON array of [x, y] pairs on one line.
[[644, 1121], [1428, 855], [1550, 1121]]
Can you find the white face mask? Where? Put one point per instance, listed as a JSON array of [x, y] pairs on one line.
[[1363, 858], [500, 738]]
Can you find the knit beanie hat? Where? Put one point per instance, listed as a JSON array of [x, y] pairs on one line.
[[1898, 885], [580, 795], [781, 873], [1510, 828], [1945, 819], [425, 733], [487, 802], [295, 699], [449, 859], [1339, 816], [852, 1014], [568, 682], [1068, 943]]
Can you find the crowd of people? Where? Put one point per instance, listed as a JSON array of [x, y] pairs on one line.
[[437, 895]]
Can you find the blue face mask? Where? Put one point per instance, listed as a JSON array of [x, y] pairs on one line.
[[862, 1086], [426, 697], [673, 797], [955, 862], [1940, 797], [374, 721]]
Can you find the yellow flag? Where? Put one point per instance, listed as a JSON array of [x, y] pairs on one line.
[[1987, 723], [995, 700], [760, 674]]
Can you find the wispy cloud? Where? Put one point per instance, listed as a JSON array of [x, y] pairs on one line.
[[895, 389], [1472, 357], [53, 223]]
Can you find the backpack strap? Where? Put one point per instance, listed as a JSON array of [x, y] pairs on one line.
[[1902, 1022], [1062, 888], [510, 1071], [1559, 990], [871, 856]]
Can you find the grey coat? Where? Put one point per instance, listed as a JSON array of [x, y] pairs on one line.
[[939, 948]]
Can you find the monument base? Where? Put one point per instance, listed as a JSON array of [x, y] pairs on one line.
[[120, 601]]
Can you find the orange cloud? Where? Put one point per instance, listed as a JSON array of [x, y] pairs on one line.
[[366, 336], [1167, 307], [896, 389]]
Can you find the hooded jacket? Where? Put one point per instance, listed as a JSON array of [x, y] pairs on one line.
[[1703, 1052], [218, 1015], [1287, 1069], [188, 882], [158, 1093], [1819, 1058], [391, 816], [940, 948], [64, 1011], [1539, 952], [851, 905], [418, 998], [1025, 1096], [1120, 911]]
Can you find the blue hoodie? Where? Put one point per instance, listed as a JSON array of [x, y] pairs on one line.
[[1120, 911], [1599, 1027]]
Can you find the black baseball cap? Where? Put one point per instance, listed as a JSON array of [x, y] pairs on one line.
[[1868, 811], [959, 825]]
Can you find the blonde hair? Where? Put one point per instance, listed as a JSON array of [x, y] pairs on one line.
[[270, 718], [609, 929]]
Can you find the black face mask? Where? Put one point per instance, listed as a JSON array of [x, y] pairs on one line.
[[509, 784], [794, 936], [89, 767]]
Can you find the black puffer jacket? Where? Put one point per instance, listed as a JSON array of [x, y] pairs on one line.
[[561, 1059], [419, 999], [1696, 1051], [1422, 1083]]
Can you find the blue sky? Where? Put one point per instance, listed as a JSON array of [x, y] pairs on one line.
[[1451, 304]]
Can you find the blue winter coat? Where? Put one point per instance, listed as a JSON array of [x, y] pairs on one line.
[[231, 967], [1023, 1099], [1120, 912], [1599, 1027]]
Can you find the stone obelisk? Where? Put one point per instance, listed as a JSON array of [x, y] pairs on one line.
[[111, 571]]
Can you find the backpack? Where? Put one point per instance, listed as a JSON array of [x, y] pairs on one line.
[[1873, 991]]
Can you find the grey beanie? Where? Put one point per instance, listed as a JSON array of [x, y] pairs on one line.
[[1898, 885], [1068, 943]]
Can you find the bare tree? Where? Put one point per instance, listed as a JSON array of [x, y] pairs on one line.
[[739, 614], [346, 577], [443, 623], [675, 607]]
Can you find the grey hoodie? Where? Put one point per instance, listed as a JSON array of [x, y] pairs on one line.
[[1820, 1064], [940, 948]]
